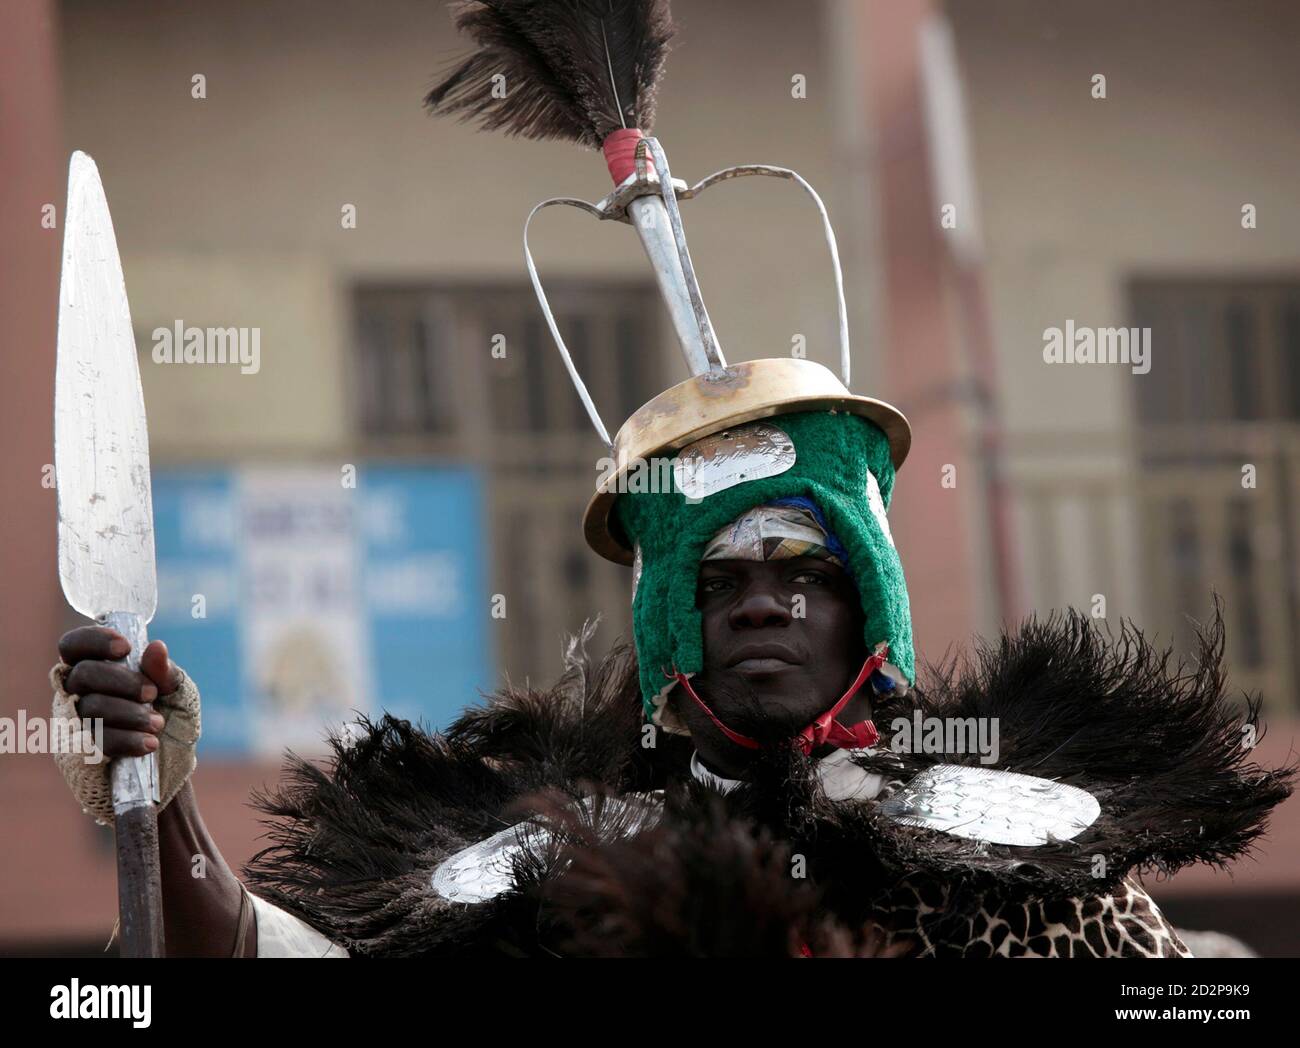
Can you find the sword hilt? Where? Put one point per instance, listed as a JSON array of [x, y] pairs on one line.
[[658, 223], [646, 196]]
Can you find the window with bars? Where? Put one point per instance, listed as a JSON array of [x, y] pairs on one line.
[[1219, 429], [418, 346], [1227, 351], [468, 374]]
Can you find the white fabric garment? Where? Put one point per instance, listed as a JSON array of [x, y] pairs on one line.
[[840, 777], [281, 934]]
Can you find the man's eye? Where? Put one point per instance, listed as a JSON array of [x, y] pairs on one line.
[[715, 585], [810, 578]]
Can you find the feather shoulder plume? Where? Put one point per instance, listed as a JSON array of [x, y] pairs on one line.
[[567, 69], [354, 844]]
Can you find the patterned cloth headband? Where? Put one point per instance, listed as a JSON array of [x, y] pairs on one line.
[[776, 531]]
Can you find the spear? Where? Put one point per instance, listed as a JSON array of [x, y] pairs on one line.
[[106, 553]]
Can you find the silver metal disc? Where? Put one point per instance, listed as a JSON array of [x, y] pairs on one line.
[[740, 454], [1000, 807]]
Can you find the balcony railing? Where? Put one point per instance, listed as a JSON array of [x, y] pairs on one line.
[[1159, 524]]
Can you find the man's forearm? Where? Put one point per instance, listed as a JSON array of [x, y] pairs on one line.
[[201, 894]]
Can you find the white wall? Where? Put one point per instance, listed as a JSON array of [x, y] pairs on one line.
[[228, 209], [1079, 195]]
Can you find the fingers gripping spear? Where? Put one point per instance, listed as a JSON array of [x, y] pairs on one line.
[[106, 552]]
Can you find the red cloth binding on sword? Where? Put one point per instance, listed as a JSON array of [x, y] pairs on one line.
[[824, 730], [620, 152]]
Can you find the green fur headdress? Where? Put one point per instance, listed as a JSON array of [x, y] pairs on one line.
[[842, 464]]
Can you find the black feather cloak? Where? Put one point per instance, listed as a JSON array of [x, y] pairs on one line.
[[774, 868]]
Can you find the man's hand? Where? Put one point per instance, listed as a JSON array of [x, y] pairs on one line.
[[108, 690], [201, 913]]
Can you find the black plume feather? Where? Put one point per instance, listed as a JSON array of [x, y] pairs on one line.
[[573, 69], [353, 844]]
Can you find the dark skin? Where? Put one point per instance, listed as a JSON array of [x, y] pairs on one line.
[[782, 643], [200, 914], [761, 659]]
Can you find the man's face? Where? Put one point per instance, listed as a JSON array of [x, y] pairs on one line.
[[782, 642]]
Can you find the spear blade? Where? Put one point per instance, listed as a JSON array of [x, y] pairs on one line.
[[101, 439], [106, 549]]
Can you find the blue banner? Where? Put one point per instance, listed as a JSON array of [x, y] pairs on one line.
[[299, 596]]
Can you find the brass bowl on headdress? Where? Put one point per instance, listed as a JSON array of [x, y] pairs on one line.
[[712, 402]]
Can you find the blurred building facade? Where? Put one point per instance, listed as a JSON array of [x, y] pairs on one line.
[[413, 337], [1167, 204]]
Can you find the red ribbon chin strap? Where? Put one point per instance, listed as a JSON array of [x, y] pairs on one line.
[[734, 736], [826, 729], [822, 731]]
